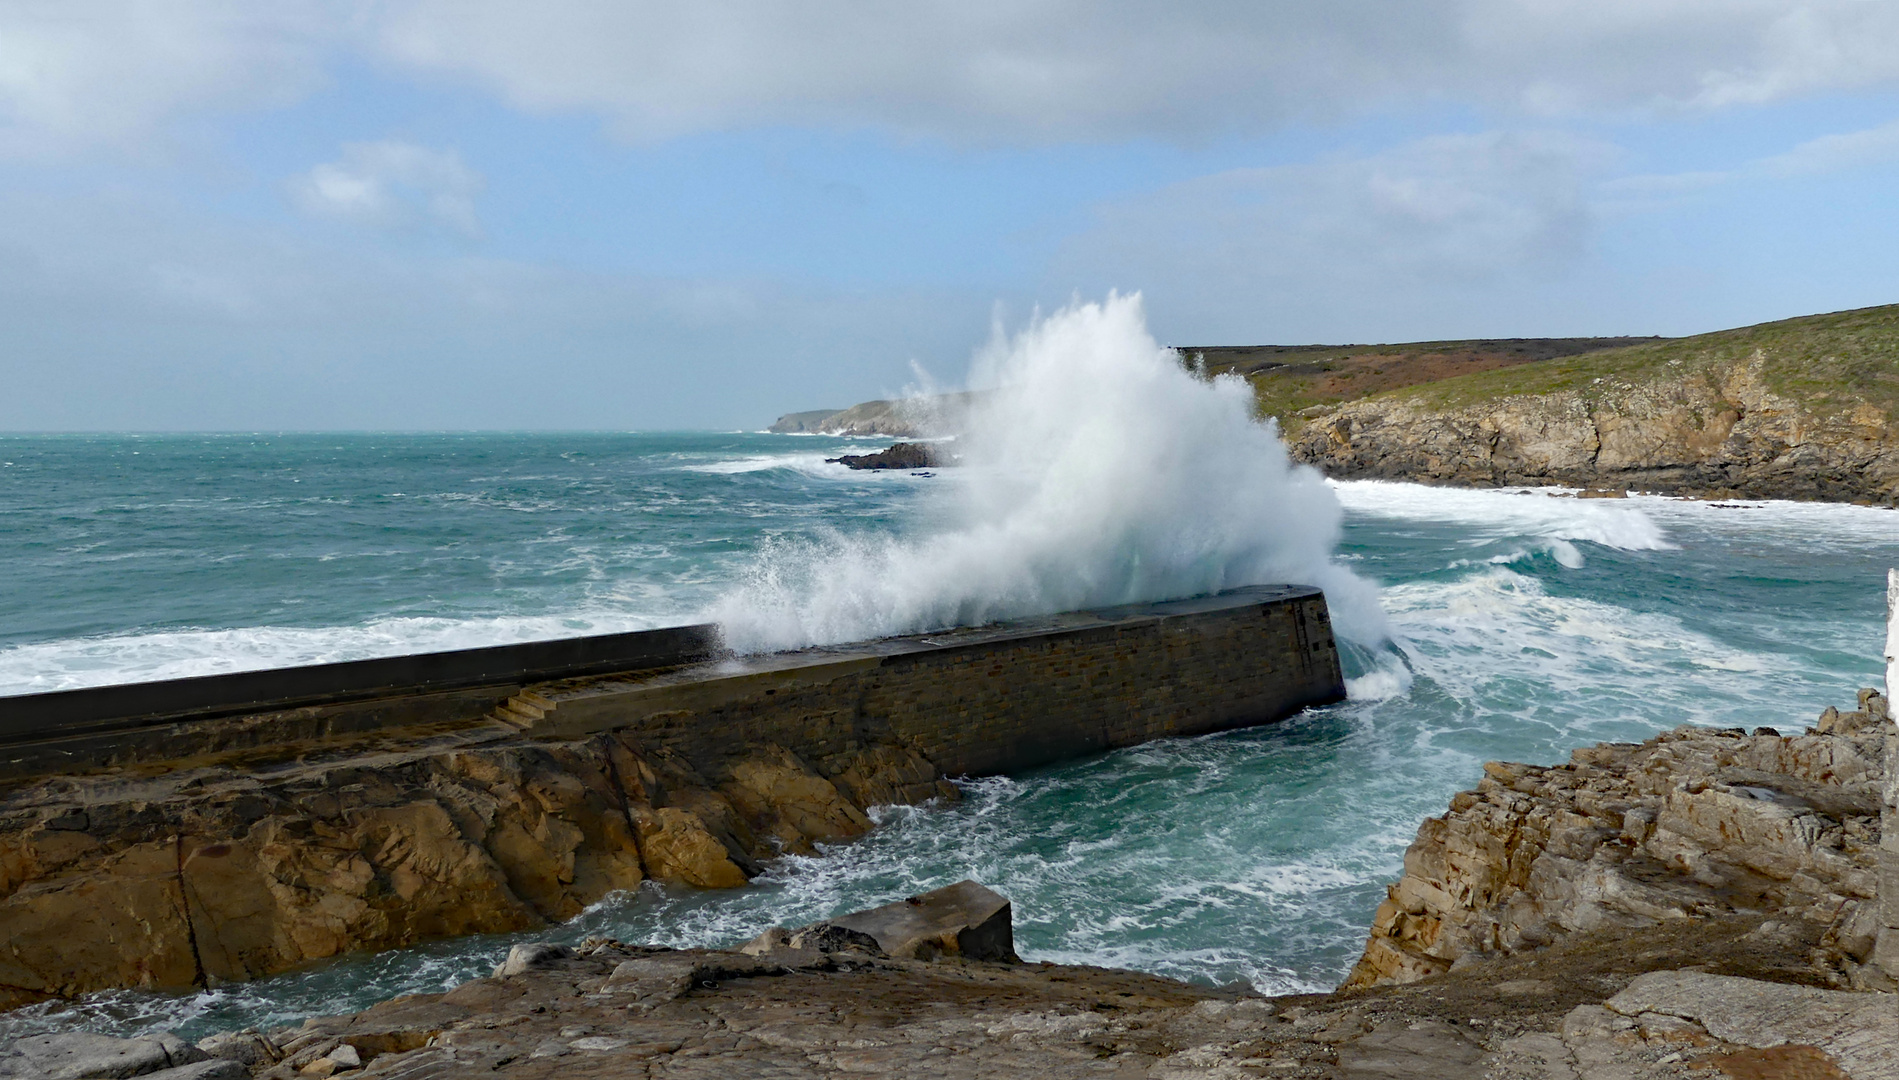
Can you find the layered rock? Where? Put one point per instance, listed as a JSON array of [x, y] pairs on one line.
[[222, 873], [1693, 823], [1717, 429]]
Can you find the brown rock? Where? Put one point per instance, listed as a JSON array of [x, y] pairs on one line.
[[1690, 823]]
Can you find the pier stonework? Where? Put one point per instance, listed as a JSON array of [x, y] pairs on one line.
[[195, 839]]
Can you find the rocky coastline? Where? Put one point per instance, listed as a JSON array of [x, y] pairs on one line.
[[1701, 905], [1721, 432]]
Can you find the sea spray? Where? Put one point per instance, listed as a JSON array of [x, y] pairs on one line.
[[1100, 471]]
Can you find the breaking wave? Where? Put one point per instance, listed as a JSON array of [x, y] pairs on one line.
[[1101, 471]]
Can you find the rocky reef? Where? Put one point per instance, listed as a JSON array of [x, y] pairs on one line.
[[1693, 824]]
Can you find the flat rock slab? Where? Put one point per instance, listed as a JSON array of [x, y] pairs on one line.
[[964, 919], [83, 1056], [1860, 1032]]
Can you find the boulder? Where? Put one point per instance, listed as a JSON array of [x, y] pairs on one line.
[[964, 919], [533, 956]]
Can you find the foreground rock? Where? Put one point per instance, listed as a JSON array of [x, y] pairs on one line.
[[1692, 823], [223, 873], [825, 1000]]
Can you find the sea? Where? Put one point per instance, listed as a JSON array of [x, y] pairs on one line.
[[1513, 624]]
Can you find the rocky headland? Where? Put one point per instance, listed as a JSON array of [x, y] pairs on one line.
[[1799, 409], [1804, 408], [919, 417]]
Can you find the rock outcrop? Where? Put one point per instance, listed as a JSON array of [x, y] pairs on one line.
[[1691, 824], [903, 455], [219, 873], [1718, 429], [827, 1001]]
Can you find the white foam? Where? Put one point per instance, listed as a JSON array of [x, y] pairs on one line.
[[130, 658], [1099, 472], [1513, 512], [1497, 626]]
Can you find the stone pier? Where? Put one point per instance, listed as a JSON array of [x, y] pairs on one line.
[[208, 831]]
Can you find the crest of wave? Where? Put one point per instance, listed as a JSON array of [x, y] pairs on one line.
[[1100, 471]]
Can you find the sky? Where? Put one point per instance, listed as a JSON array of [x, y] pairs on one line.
[[427, 215]]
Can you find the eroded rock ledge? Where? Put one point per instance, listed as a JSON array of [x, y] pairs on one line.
[[1692, 824], [227, 872]]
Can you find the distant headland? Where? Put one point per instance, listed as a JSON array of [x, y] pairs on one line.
[[1804, 408]]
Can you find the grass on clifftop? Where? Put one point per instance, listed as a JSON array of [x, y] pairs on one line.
[[1830, 363], [1289, 378]]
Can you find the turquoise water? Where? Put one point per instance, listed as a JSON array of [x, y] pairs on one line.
[[1524, 625]]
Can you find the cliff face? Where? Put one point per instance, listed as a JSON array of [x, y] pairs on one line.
[[1798, 410], [1694, 823]]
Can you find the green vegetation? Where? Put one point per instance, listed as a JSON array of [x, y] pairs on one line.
[[1831, 363]]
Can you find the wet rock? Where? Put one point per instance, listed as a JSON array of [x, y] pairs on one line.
[[533, 956], [903, 455], [964, 919]]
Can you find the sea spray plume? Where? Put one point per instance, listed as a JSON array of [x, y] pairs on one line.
[[1100, 471]]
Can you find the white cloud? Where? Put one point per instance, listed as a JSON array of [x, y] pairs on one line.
[[393, 185], [122, 312], [80, 73], [1832, 153], [1465, 207], [76, 73], [1031, 70]]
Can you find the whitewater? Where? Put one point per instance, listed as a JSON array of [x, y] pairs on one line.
[[1481, 625]]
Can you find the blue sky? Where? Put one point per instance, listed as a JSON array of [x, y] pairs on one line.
[[321, 214]]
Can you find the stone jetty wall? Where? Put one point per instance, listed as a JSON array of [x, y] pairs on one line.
[[292, 843]]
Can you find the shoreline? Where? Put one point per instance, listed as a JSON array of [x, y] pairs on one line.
[[1726, 984]]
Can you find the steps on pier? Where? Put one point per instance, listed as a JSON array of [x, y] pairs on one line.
[[523, 710]]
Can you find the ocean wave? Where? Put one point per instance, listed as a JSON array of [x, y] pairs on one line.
[[1511, 512], [72, 663], [1099, 471]]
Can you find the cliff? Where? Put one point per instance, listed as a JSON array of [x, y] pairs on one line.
[[1800, 409]]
